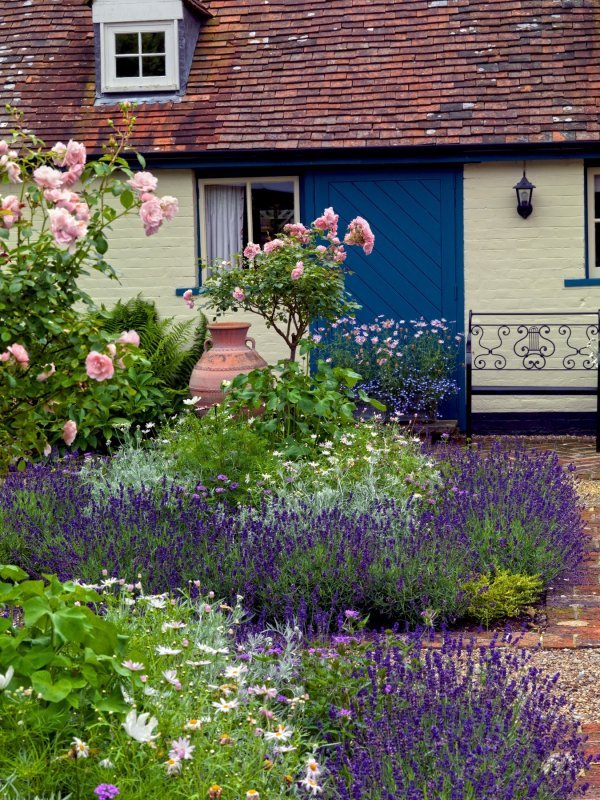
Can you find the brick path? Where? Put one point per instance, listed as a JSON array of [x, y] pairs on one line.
[[573, 604]]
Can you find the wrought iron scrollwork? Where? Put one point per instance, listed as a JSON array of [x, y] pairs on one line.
[[534, 348], [496, 359]]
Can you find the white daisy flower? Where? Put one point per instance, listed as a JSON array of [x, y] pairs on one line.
[[280, 734], [225, 706], [80, 748], [167, 651]]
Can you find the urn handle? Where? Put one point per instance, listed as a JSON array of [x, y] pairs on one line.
[[206, 343], [250, 339]]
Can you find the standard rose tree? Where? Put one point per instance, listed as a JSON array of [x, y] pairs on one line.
[[293, 280], [61, 376]]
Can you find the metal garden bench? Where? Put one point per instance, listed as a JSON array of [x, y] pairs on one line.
[[528, 348]]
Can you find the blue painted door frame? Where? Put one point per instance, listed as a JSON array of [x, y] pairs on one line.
[[416, 268]]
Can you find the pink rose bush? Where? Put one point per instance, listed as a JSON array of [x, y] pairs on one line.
[[293, 279], [60, 363]]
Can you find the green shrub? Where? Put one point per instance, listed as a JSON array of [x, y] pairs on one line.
[[505, 594]]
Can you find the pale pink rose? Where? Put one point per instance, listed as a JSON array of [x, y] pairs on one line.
[[98, 366], [4, 356], [129, 337], [328, 221], [238, 295], [65, 228], [151, 215], [12, 211], [273, 245], [321, 249], [4, 147], [298, 231], [58, 154], [47, 450], [251, 250], [72, 175], [339, 254], [82, 212], [64, 198], [359, 232], [75, 156], [146, 196], [14, 172], [189, 298], [143, 182], [170, 207], [48, 178], [43, 376], [69, 432], [298, 271], [112, 349], [20, 355]]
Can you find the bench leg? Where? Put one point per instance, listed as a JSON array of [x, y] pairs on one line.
[[598, 423]]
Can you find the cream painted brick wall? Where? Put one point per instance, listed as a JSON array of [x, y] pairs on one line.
[[513, 264], [157, 265]]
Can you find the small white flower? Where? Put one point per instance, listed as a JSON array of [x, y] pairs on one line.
[[311, 786], [191, 401], [198, 663], [166, 626], [134, 666], [170, 675], [167, 651], [156, 602], [225, 706], [182, 749], [192, 725], [106, 763], [173, 765], [236, 672], [6, 678], [280, 734], [312, 768], [140, 728], [80, 748]]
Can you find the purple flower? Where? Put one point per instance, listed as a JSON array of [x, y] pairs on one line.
[[351, 614], [106, 791], [222, 477]]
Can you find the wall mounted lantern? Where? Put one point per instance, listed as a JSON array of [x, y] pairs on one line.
[[524, 189]]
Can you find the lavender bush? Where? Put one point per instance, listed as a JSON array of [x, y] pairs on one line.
[[460, 723], [514, 512]]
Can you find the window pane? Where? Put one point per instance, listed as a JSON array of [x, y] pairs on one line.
[[126, 43], [597, 204], [154, 66], [153, 42], [128, 67], [225, 222], [272, 208]]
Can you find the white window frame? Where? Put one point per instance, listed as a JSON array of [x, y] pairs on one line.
[[204, 182], [593, 270], [110, 82]]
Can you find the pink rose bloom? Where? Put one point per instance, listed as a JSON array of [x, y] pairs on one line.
[[359, 232], [298, 271], [20, 355], [112, 349], [43, 376], [48, 178], [69, 432], [129, 337], [72, 175], [64, 198], [328, 221], [273, 245], [4, 356], [170, 206], [4, 147], [143, 182], [188, 296], [99, 367], [65, 228], [58, 154], [339, 254], [75, 156], [14, 172], [238, 295], [151, 214], [321, 249], [298, 231], [251, 250], [12, 211]]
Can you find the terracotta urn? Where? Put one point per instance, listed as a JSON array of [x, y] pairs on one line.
[[226, 354]]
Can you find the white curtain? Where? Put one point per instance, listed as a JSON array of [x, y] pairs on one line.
[[224, 221]]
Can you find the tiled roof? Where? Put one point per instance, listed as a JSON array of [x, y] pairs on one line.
[[291, 74]]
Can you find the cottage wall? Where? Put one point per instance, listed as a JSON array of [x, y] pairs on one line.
[[157, 265], [513, 264]]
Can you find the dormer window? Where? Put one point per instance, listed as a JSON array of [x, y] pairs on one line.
[[140, 56], [144, 47]]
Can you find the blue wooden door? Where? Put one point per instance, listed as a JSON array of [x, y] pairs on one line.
[[416, 268]]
